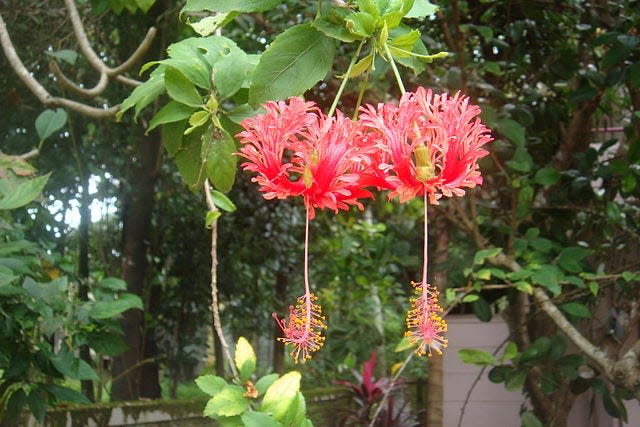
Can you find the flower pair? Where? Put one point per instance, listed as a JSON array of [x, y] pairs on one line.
[[427, 145]]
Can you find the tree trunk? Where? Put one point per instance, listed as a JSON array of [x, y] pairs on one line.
[[282, 282], [434, 385], [83, 268], [137, 214]]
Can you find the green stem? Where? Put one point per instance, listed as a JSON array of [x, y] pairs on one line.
[[363, 88], [394, 68], [344, 81]]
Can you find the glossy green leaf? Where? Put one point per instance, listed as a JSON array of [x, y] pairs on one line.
[[173, 111], [25, 192], [65, 394], [296, 60], [49, 122], [223, 202], [189, 161], [181, 89], [510, 351]]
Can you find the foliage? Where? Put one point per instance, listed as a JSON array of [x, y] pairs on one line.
[[368, 392], [42, 321], [271, 400]]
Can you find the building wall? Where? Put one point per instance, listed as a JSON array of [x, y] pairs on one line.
[[490, 404]]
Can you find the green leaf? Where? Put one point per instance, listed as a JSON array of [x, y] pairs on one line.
[[38, 404], [548, 276], [227, 402], [220, 159], [569, 258], [245, 358], [108, 344], [402, 45], [404, 344], [421, 8], [483, 254], [547, 176], [189, 161], [23, 193], [172, 134], [336, 30], [65, 394], [113, 283], [231, 71], [49, 122], [360, 24], [66, 55], [294, 62], [510, 351], [523, 286], [265, 382], [211, 217], [144, 94], [576, 309], [109, 309], [197, 119], [210, 384], [476, 357], [181, 89], [521, 160], [482, 309], [513, 130], [281, 395], [145, 5], [222, 201], [297, 412], [529, 419], [515, 380], [471, 298], [259, 419], [172, 112], [229, 5]]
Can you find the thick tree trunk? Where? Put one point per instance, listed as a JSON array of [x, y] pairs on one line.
[[127, 372], [282, 282], [434, 385], [83, 269]]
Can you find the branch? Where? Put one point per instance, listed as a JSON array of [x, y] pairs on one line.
[[92, 57], [66, 83], [624, 372], [38, 90], [215, 310]]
